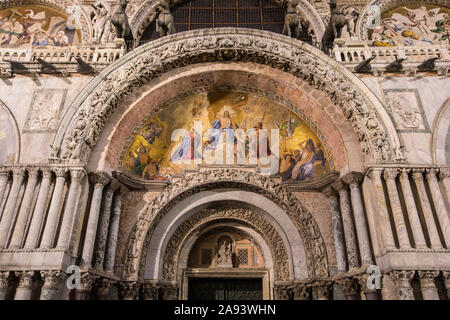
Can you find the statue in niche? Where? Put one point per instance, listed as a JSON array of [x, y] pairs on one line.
[[334, 27], [100, 17], [292, 23], [119, 20], [165, 24], [224, 254]]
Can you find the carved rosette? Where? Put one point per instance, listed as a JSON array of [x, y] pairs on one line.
[[137, 246], [179, 50]]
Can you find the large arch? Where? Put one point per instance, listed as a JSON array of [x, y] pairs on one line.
[[81, 126], [441, 135], [11, 146], [165, 202]]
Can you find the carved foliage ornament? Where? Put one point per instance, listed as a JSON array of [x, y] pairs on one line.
[[255, 220], [222, 45], [274, 191]]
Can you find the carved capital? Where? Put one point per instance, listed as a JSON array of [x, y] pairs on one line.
[[323, 289], [52, 278], [33, 174], [427, 278], [18, 173], [283, 292], [99, 178], [25, 278], [349, 286], [390, 174], [329, 192], [150, 291], [417, 174], [402, 278], [301, 291], [4, 174], [375, 173], [353, 178], [87, 281], [446, 275], [4, 279], [77, 174], [102, 287], [169, 292], [46, 173], [128, 290], [60, 172], [404, 172], [444, 173]]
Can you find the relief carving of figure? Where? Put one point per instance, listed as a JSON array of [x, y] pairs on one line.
[[100, 18], [224, 254], [164, 22]]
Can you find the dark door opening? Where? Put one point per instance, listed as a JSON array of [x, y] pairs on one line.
[[225, 289]]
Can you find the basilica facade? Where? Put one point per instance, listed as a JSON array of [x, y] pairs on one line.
[[213, 149]]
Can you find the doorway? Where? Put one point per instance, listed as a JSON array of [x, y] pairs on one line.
[[225, 289]]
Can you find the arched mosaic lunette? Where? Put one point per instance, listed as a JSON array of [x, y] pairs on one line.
[[84, 120], [149, 217]]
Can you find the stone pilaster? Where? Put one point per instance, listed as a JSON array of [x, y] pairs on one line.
[[301, 291], [67, 226], [354, 179], [323, 289], [150, 291], [439, 204], [104, 224], [426, 209], [86, 284], [128, 290], [52, 282], [48, 236], [103, 286], [10, 207], [169, 292], [4, 283], [427, 284], [446, 275], [22, 218], [413, 214], [444, 176], [347, 222], [338, 232], [402, 280], [349, 287], [39, 210], [99, 180], [24, 290], [389, 176]]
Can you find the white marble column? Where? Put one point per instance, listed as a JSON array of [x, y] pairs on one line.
[[22, 219], [55, 206], [427, 285], [338, 232], [24, 290], [347, 222], [382, 215], [4, 282], [99, 180], [439, 204], [105, 217], [402, 280], [52, 282], [4, 177], [114, 231], [39, 210], [18, 175], [444, 176], [353, 179], [389, 176], [67, 226], [426, 209], [413, 214]]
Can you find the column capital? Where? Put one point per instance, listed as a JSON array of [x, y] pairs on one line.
[[375, 173], [4, 277], [446, 275], [103, 286], [431, 173], [25, 278], [46, 173], [283, 291], [417, 174], [349, 286], [323, 288], [113, 186], [353, 178], [88, 280], [18, 173], [52, 278], [402, 277], [4, 173], [77, 174], [404, 172], [339, 185], [427, 278], [33, 173], [128, 289], [329, 192], [60, 172], [390, 173], [301, 291], [169, 291], [444, 173], [150, 291], [99, 178]]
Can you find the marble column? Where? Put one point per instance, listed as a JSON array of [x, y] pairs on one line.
[[128, 290], [113, 231], [338, 232], [301, 291], [444, 176], [150, 291], [370, 294], [445, 274], [65, 235], [411, 208], [427, 284], [99, 180], [24, 290], [19, 229], [402, 280], [48, 236], [349, 287], [389, 176], [103, 287], [4, 282], [102, 234], [347, 222], [39, 210], [353, 179], [4, 177], [52, 282], [439, 204], [426, 208], [87, 282], [10, 207]]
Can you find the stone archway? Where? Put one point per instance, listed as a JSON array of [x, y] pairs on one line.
[[441, 135], [148, 220], [82, 124]]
